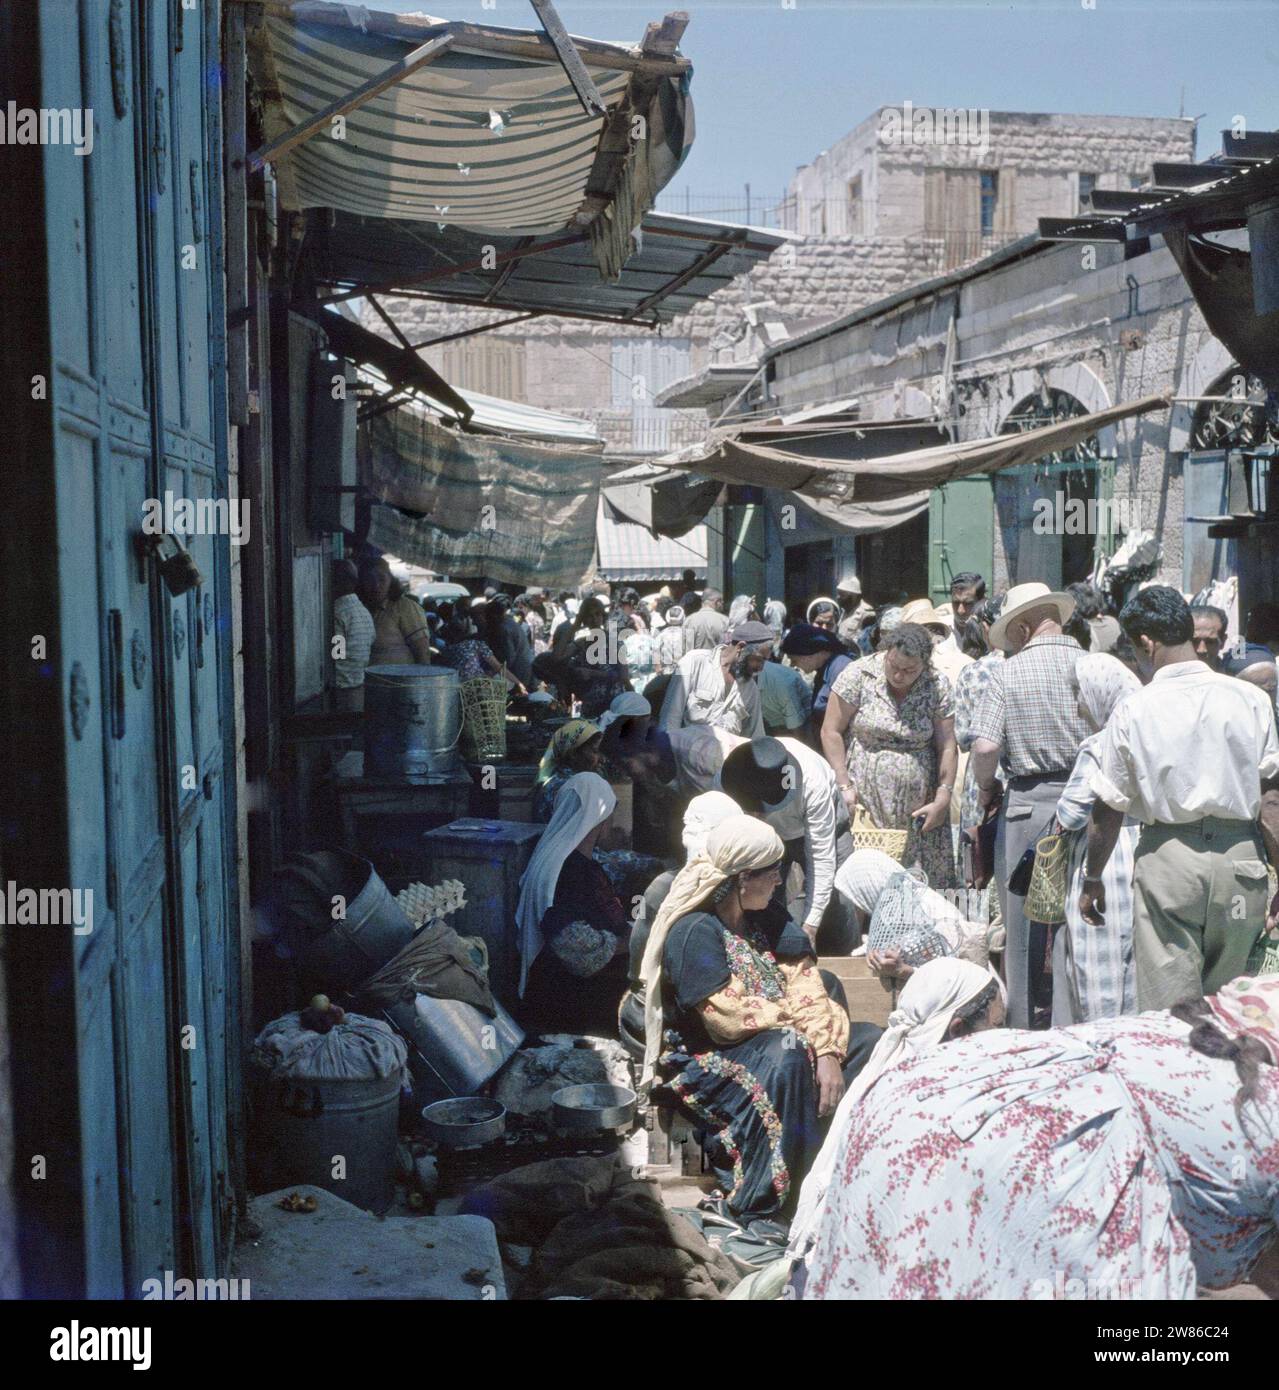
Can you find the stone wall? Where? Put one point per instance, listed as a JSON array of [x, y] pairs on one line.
[[1103, 334]]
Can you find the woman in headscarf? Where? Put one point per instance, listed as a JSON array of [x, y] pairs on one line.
[[943, 1000], [862, 879], [824, 613], [573, 930], [818, 653], [738, 1025], [889, 736], [1093, 972], [1129, 1158], [703, 813], [574, 747]]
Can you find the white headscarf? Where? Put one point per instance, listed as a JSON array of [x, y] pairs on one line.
[[864, 875], [584, 801], [1103, 682], [832, 602], [737, 845], [627, 705], [702, 815], [930, 1000]]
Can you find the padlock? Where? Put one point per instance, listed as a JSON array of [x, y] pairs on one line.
[[178, 570]]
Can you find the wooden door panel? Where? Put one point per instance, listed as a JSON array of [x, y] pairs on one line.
[[195, 1056], [148, 1183], [100, 1166]]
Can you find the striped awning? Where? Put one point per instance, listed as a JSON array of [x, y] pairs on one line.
[[631, 553], [487, 137]]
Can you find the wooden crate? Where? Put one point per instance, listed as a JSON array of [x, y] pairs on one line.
[[870, 1000]]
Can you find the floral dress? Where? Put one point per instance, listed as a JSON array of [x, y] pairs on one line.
[[892, 761], [1101, 1161]]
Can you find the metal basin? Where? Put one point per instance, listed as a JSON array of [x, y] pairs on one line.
[[464, 1123], [588, 1109]]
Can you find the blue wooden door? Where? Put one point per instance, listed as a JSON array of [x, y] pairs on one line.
[[137, 403]]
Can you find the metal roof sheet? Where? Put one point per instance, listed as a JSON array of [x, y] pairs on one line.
[[677, 262]]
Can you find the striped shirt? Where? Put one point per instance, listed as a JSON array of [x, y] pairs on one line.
[[1031, 708]]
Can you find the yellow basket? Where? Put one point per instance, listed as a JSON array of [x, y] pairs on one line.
[[1046, 897], [483, 718], [867, 835]]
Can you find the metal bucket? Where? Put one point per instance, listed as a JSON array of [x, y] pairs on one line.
[[312, 1123], [412, 721], [454, 1048], [340, 952]]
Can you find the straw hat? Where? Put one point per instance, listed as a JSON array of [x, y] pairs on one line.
[[850, 584], [1021, 599], [919, 610]]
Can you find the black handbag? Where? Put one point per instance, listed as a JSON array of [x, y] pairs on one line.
[[1019, 879], [977, 846]]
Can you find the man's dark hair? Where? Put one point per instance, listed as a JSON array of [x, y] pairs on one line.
[[1076, 626], [664, 601], [969, 579], [1089, 601], [989, 609], [628, 595], [973, 640], [1206, 610], [691, 603], [1159, 613], [1263, 623]]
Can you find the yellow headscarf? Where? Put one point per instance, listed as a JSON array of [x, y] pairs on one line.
[[736, 845], [563, 741]]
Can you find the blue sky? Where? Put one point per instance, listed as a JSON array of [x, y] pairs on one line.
[[773, 87]]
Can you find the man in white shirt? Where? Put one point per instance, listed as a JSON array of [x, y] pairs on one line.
[[791, 787], [1194, 757], [719, 686]]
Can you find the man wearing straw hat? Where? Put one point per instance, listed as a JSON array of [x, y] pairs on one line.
[[1030, 716]]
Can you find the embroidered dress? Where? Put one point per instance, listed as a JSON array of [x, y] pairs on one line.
[[756, 1096], [892, 761], [1105, 1160]]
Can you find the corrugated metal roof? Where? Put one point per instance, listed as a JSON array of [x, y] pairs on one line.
[[677, 263]]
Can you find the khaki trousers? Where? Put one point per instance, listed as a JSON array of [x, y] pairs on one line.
[[1199, 901]]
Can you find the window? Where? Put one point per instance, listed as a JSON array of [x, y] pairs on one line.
[[989, 199], [1136, 180], [854, 212], [1087, 182]]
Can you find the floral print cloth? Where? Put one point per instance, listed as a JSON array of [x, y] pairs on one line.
[[892, 761], [1104, 1160]]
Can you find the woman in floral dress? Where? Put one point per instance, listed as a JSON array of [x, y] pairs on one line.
[[889, 734], [1126, 1158]]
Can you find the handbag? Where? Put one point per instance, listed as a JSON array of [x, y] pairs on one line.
[[1019, 879], [977, 846], [901, 923]]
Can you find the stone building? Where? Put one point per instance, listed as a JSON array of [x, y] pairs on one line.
[[871, 218], [1036, 332]]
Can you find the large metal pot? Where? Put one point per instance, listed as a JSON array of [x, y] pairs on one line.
[[464, 1123], [590, 1109]]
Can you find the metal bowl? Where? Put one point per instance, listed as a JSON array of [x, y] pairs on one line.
[[465, 1122], [588, 1109]]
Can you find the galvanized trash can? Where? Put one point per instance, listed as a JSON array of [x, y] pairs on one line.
[[328, 1107], [412, 721]]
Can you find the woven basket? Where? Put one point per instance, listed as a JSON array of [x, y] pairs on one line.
[[483, 718], [1046, 898], [867, 835]]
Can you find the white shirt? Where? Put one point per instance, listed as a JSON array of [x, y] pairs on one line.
[[1192, 743], [811, 809], [353, 623], [697, 694]]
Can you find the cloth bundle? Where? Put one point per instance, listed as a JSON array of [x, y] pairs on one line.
[[436, 962], [599, 1233]]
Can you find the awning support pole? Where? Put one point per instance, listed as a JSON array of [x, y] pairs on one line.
[[570, 59], [366, 91], [471, 332]]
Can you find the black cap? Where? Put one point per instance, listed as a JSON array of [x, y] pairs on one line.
[[754, 774]]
